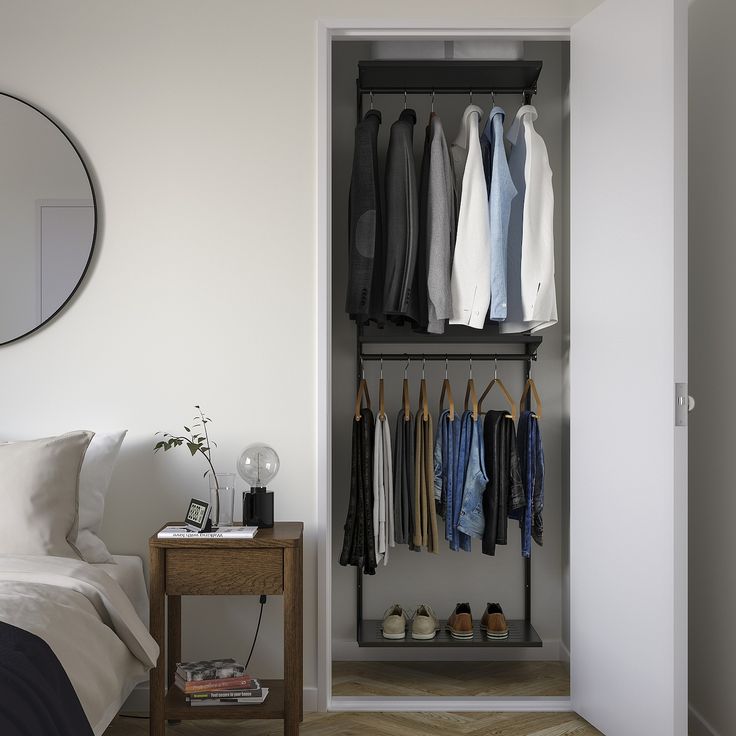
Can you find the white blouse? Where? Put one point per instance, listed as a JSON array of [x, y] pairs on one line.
[[470, 282]]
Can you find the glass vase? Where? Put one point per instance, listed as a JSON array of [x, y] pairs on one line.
[[222, 498]]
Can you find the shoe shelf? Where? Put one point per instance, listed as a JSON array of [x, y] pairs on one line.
[[521, 634]]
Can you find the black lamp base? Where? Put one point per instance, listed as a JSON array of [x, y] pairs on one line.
[[258, 508]]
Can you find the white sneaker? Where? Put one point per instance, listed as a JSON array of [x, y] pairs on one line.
[[394, 622], [424, 623]]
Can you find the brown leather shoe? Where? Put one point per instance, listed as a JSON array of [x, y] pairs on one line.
[[494, 622], [460, 623]]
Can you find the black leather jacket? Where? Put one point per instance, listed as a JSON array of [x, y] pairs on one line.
[[402, 222]]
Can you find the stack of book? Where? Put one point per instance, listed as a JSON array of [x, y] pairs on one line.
[[218, 682]]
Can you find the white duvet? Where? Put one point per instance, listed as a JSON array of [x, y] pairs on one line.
[[89, 623]]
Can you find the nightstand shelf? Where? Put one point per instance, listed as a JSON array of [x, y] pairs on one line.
[[268, 564], [177, 708]]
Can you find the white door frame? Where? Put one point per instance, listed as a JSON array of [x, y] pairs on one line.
[[366, 30]]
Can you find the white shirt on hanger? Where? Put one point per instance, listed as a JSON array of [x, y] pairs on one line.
[[532, 299], [470, 282]]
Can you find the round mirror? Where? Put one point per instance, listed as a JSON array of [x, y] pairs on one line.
[[48, 218]]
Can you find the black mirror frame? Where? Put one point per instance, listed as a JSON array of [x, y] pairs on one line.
[[58, 126]]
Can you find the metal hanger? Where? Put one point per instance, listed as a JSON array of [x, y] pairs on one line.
[[371, 96], [496, 381], [471, 394], [471, 96], [447, 390], [431, 109], [404, 99]]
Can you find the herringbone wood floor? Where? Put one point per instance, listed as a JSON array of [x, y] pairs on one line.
[[382, 724], [415, 678], [499, 679]]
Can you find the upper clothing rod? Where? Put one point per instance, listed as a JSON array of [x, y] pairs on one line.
[[449, 356], [446, 91]]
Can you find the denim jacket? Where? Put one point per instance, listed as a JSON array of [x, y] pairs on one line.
[[472, 519], [531, 461], [458, 539]]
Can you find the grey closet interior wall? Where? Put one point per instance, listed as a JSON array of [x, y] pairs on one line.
[[443, 580]]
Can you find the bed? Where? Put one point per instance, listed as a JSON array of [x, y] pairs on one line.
[[74, 638], [90, 624]]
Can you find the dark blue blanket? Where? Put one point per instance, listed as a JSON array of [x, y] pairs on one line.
[[36, 696]]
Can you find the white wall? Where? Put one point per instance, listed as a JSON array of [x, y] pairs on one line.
[[712, 358], [198, 119], [443, 580]]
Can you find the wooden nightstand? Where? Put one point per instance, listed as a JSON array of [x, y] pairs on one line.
[[269, 564]]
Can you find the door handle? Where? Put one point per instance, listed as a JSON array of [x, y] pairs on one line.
[[684, 403]]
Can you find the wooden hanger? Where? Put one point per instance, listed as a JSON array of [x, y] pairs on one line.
[[423, 403], [405, 393], [447, 389], [472, 395], [381, 402], [530, 385], [496, 381], [362, 392]]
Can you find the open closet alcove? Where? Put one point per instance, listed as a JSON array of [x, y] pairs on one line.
[[532, 661], [615, 510]]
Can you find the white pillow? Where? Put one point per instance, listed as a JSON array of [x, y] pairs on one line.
[[94, 482], [39, 492]]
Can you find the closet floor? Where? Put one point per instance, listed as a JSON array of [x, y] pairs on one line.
[[385, 724], [459, 679]]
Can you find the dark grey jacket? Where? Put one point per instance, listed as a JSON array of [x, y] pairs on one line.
[[402, 221], [504, 493], [366, 267]]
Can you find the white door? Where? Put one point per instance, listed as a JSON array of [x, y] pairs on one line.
[[628, 570]]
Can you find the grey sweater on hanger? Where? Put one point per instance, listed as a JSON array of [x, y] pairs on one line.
[[441, 228]]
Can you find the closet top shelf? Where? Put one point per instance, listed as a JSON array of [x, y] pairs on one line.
[[448, 75], [392, 334]]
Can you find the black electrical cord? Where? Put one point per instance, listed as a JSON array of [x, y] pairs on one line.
[[258, 628], [262, 601]]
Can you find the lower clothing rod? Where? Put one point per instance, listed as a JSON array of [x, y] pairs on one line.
[[521, 357]]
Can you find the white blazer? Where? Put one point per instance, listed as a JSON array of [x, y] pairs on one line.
[[470, 282], [532, 300]]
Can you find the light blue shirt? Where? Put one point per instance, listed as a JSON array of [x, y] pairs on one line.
[[501, 192]]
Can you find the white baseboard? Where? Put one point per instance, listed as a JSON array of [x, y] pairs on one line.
[[310, 700], [138, 700], [474, 704], [697, 724], [344, 650], [564, 652]]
